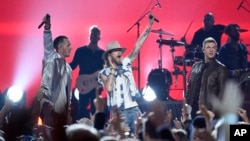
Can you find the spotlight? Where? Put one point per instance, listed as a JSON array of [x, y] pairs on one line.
[[76, 93], [15, 93], [148, 94]]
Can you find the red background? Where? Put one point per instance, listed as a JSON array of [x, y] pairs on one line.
[[21, 41]]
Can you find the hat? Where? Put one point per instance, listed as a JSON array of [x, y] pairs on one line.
[[231, 26], [112, 46]]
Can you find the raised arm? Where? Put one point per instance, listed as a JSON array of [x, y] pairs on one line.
[[47, 38], [141, 40]]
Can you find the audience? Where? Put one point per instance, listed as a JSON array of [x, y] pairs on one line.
[[155, 125]]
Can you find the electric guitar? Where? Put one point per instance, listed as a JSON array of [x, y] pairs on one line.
[[87, 82]]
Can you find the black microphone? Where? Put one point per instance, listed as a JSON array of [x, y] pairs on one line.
[[151, 17], [158, 4], [240, 4], [42, 23]]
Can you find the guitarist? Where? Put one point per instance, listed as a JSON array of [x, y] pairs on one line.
[[233, 54], [89, 59]]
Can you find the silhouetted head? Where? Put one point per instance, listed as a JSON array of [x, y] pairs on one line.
[[208, 21], [80, 132]]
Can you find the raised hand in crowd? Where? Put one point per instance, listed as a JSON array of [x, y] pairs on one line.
[[5, 109], [99, 103], [243, 114], [169, 117]]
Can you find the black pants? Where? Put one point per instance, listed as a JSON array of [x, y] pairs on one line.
[[86, 104]]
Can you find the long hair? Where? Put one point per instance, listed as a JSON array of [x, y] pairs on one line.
[[106, 62]]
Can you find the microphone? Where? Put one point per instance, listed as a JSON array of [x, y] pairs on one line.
[[158, 4], [240, 4], [151, 17], [43, 22]]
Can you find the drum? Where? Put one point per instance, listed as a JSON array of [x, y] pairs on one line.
[[160, 81], [198, 54]]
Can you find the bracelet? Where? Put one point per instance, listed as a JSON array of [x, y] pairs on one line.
[[47, 26]]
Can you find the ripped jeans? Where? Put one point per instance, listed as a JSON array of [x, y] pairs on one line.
[[131, 115]]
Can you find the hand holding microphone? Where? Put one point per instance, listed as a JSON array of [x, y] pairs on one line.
[[46, 21], [153, 17]]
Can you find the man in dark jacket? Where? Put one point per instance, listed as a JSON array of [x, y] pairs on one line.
[[233, 54], [207, 78]]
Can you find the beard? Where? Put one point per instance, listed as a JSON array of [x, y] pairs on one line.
[[117, 60]]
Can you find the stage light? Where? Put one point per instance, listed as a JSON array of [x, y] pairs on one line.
[[76, 93], [15, 93], [148, 94]]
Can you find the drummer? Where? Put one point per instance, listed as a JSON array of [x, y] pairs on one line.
[[209, 29]]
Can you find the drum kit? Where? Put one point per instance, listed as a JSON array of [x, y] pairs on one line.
[[161, 77]]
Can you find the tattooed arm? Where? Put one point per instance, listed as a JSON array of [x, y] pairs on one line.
[[140, 41]]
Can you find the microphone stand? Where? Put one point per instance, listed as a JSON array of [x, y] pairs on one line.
[[245, 9], [138, 35], [241, 6]]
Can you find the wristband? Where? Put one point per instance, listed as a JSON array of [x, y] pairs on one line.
[[47, 26]]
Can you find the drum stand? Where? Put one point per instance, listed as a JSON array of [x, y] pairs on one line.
[[160, 48], [184, 73], [177, 70]]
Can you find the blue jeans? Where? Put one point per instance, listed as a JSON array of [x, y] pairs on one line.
[[130, 115]]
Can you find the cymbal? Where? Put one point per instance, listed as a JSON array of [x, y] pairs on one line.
[[160, 31], [170, 42]]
